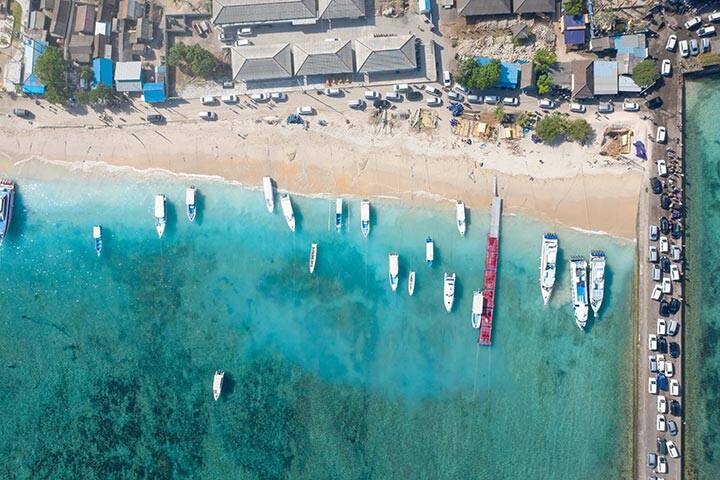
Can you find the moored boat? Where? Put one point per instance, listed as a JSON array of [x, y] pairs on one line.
[[449, 291], [218, 383], [287, 209], [597, 280], [578, 274], [429, 251], [411, 283], [393, 270], [548, 265], [268, 191], [7, 197], [160, 216], [365, 218], [190, 207], [460, 217], [477, 307], [313, 256], [97, 236], [338, 214]]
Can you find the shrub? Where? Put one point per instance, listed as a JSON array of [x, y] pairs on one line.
[[50, 69], [544, 83], [574, 7], [477, 76], [646, 73], [544, 59], [194, 59], [555, 127]]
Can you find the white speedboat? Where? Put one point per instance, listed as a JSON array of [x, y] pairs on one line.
[[338, 214], [460, 217], [7, 197], [365, 217], [477, 307], [268, 191], [97, 236], [449, 291], [597, 280], [190, 208], [313, 256], [548, 265], [411, 283], [287, 209], [429, 251], [578, 275], [160, 217], [393, 268], [218, 383]]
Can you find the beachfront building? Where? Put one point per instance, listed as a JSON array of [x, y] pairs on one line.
[[103, 72], [582, 80], [332, 9], [128, 77], [509, 73], [33, 50], [154, 92], [574, 30], [386, 54], [533, 6], [323, 58], [296, 12], [476, 8], [264, 62], [605, 77]]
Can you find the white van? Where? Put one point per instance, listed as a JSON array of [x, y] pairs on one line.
[[243, 42], [433, 91], [207, 100], [333, 92], [447, 79], [693, 22], [208, 115], [577, 108], [305, 110], [401, 87], [371, 94], [357, 104], [661, 136], [684, 48], [245, 32], [662, 167]]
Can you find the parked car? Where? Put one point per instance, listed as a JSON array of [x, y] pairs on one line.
[[333, 92], [546, 103], [401, 87], [652, 342], [693, 23], [279, 96], [656, 273], [208, 100], [434, 102], [684, 48], [245, 32], [653, 103], [447, 79], [491, 99], [661, 404], [666, 68], [358, 104], [674, 388], [672, 449], [656, 185], [652, 254], [662, 465], [652, 386], [674, 346], [371, 94], [675, 407], [705, 42], [455, 96], [661, 446], [694, 49], [305, 110], [229, 84], [652, 363], [208, 115], [662, 167], [651, 460], [577, 108], [474, 99], [243, 42], [605, 107], [21, 112], [259, 97], [653, 233], [461, 88], [511, 101], [433, 90], [155, 118], [672, 428], [706, 31], [393, 96], [674, 306], [229, 99], [671, 43], [665, 201], [631, 106], [660, 423], [714, 17], [661, 135]]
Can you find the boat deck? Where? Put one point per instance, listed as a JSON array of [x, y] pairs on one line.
[[491, 262]]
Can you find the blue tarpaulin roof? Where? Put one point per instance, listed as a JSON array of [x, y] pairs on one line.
[[154, 92], [574, 37], [33, 50], [509, 73], [102, 72]]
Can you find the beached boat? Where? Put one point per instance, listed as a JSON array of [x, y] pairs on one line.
[[394, 268], [429, 251], [268, 191], [160, 217], [477, 307], [597, 280], [365, 218], [548, 265], [97, 236], [190, 207], [449, 291], [338, 214], [218, 383], [411, 283], [460, 217], [287, 209], [313, 256], [578, 273], [7, 197]]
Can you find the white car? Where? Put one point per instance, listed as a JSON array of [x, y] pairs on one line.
[[455, 96], [393, 96], [631, 106], [434, 102], [371, 94], [577, 108], [401, 87], [657, 293], [207, 100], [242, 42], [333, 92], [676, 253], [511, 101], [546, 103], [672, 449], [666, 68], [661, 135], [447, 79], [208, 115], [714, 17], [357, 104], [669, 368], [667, 286], [693, 22], [306, 110], [652, 386], [706, 31], [461, 88], [229, 99], [474, 98], [433, 90], [661, 404], [660, 423], [652, 342], [278, 96], [674, 388], [259, 97], [491, 99], [684, 48], [674, 273], [656, 273], [664, 245], [671, 43], [661, 326], [660, 359], [652, 254], [662, 466], [673, 328], [662, 167]]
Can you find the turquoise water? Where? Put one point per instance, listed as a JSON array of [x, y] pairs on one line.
[[108, 362], [702, 324]]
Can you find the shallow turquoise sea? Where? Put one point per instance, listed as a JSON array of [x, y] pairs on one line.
[[702, 312], [108, 362]]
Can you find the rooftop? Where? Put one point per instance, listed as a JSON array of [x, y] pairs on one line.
[[323, 58], [469, 8], [509, 73], [605, 77], [128, 71], [385, 54], [582, 79], [228, 12], [634, 44], [262, 62], [330, 9], [533, 6]]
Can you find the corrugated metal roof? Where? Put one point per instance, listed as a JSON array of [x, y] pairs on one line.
[[574, 37], [128, 71], [329, 9], [103, 71], [385, 54], [634, 45], [262, 62], [628, 85], [323, 58], [469, 8], [262, 11], [533, 6], [154, 92], [605, 77]]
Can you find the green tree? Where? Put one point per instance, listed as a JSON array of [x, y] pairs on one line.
[[544, 59], [50, 69], [176, 54], [574, 7], [82, 97], [544, 83], [86, 74], [195, 59], [485, 76], [550, 128], [646, 73], [100, 94], [465, 71], [578, 130], [499, 113]]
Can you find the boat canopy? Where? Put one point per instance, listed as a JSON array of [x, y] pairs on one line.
[[160, 206]]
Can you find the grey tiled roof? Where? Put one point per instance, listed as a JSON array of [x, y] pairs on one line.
[[330, 9], [533, 6], [262, 62], [261, 11], [468, 8], [385, 54], [323, 58]]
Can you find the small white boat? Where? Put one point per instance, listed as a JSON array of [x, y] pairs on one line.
[[160, 217], [190, 208], [597, 280], [477, 307], [460, 216], [97, 236], [217, 383], [268, 191], [393, 270], [7, 194], [449, 291], [411, 283], [338, 214], [313, 256], [287, 209], [578, 272], [429, 251], [365, 217], [548, 265]]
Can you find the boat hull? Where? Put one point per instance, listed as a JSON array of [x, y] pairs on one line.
[[313, 257], [268, 192], [449, 291], [365, 218], [411, 283], [578, 273], [7, 199], [393, 270], [548, 265]]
